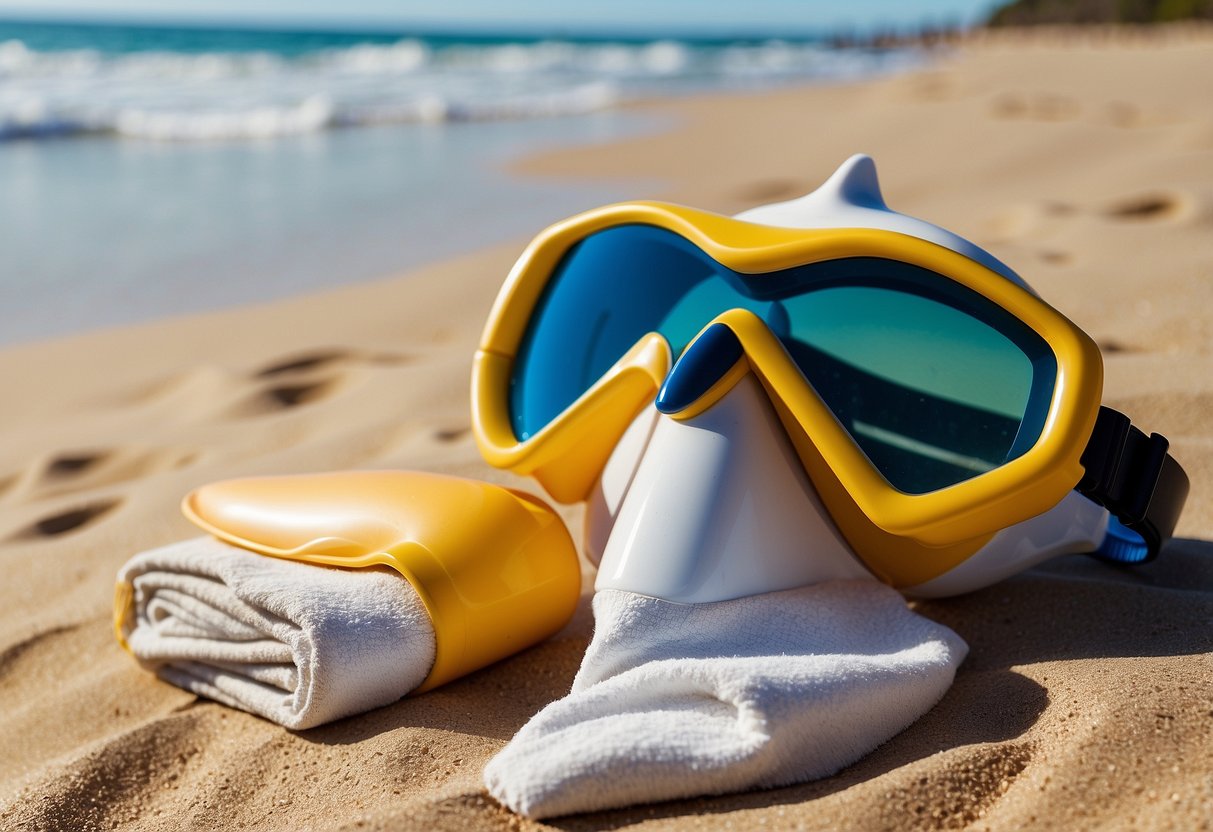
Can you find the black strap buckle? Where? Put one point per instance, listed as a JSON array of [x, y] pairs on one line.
[[1124, 467]]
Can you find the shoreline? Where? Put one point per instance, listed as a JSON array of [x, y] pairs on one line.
[[250, 223], [1084, 700]]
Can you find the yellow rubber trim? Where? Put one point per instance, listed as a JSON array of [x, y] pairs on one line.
[[567, 456], [124, 613], [496, 569]]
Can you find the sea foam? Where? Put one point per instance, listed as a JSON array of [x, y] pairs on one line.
[[162, 94]]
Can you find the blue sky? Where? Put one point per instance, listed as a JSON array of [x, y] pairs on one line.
[[723, 16]]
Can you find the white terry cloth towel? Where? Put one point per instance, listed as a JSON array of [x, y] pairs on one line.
[[295, 643], [679, 700]]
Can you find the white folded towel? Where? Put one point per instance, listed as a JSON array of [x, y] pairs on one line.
[[295, 643], [676, 700]]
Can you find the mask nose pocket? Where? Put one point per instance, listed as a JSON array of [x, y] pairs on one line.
[[705, 363]]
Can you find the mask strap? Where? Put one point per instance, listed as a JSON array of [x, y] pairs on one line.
[[1138, 481]]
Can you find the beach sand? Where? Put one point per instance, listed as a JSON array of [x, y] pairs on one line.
[[1083, 161]]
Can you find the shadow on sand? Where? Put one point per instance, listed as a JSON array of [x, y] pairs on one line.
[[1072, 608]]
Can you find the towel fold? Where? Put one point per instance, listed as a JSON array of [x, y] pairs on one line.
[[298, 644], [678, 700]]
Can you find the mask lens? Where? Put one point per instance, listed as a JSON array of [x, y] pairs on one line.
[[935, 383], [608, 292], [931, 394]]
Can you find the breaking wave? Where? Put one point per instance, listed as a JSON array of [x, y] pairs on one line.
[[157, 93]]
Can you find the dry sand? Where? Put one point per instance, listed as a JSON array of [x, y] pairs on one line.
[[1087, 699]]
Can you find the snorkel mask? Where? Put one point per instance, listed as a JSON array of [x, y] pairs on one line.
[[817, 388]]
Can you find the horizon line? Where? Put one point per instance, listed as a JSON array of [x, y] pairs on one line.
[[380, 26]]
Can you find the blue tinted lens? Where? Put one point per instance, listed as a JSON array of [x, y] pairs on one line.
[[935, 383], [606, 293]]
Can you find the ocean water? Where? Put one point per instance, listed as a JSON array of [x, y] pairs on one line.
[[147, 171]]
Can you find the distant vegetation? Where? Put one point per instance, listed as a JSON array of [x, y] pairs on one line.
[[1036, 13], [1031, 12]]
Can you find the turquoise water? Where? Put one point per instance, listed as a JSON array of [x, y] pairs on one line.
[[153, 170], [98, 232]]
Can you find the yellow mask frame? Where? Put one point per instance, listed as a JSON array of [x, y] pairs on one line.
[[904, 538]]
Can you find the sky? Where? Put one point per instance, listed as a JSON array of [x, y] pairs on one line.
[[721, 16]]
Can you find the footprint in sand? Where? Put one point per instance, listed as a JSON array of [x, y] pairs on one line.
[[280, 397], [1046, 107], [297, 379], [1050, 107], [1148, 207], [285, 396], [325, 358], [1110, 346], [69, 465], [1027, 220], [447, 435], [212, 389], [68, 472], [63, 522], [302, 363], [307, 378], [1055, 258], [1048, 220]]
